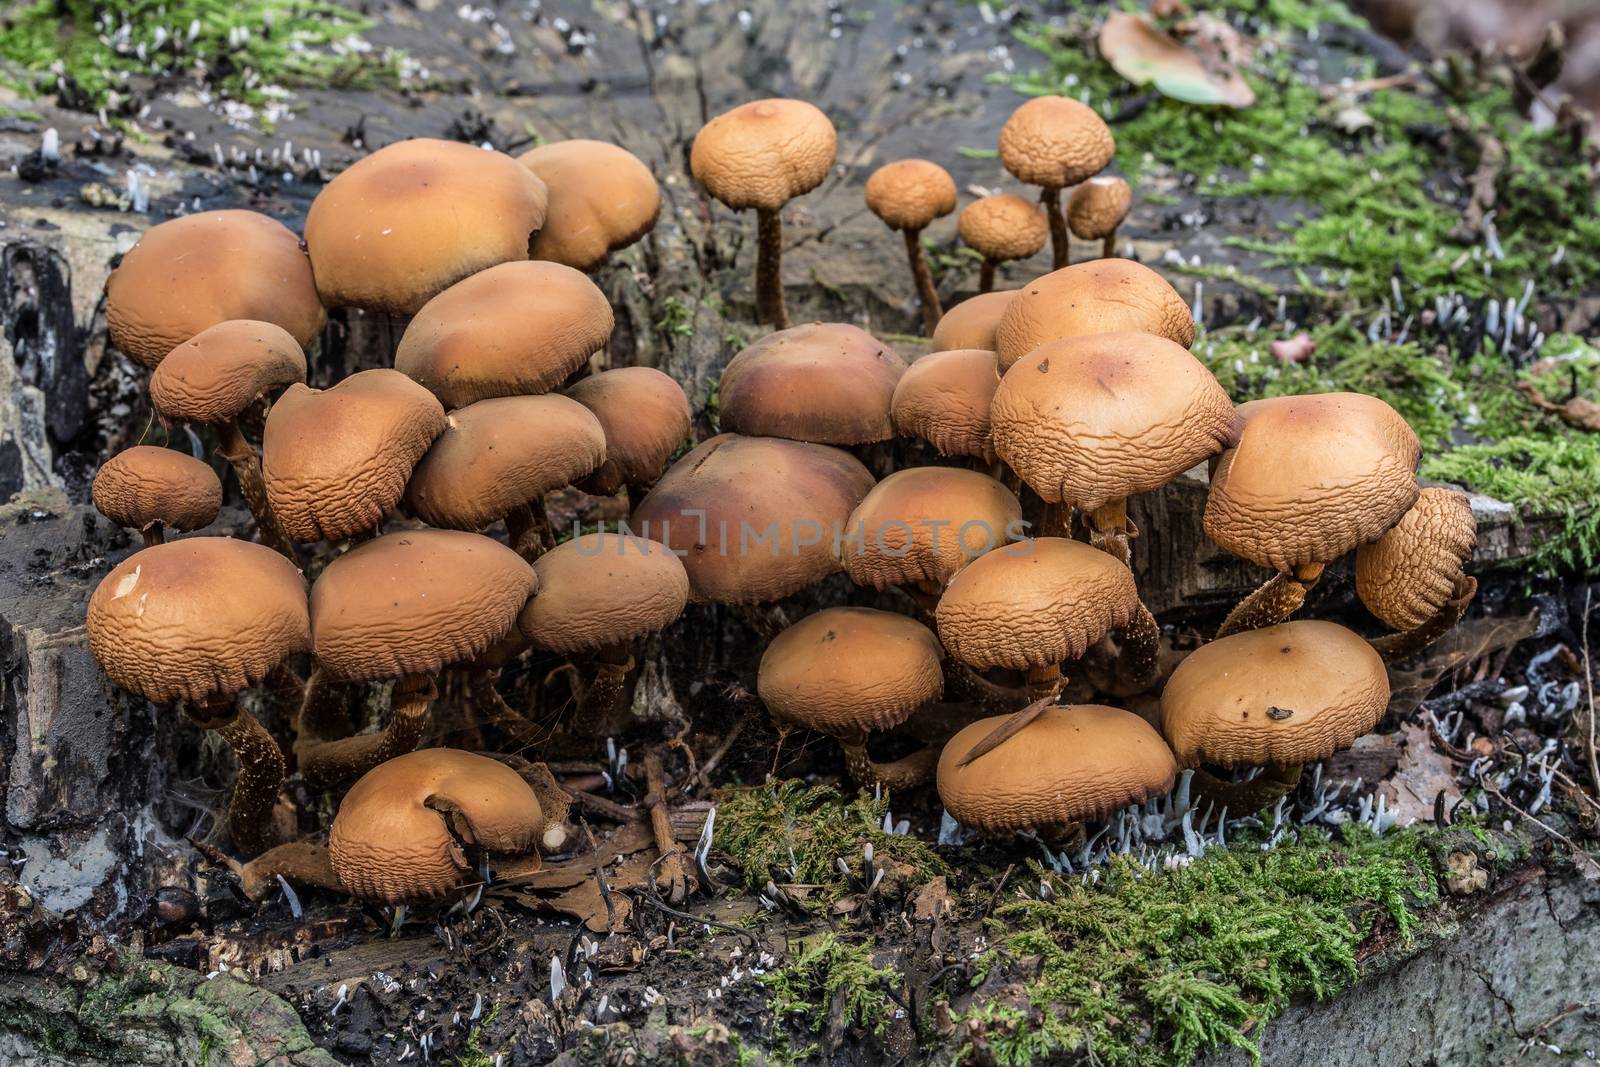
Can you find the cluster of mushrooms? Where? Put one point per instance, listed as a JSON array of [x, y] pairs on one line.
[[1059, 400]]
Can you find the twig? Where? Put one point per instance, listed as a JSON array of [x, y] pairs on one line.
[[704, 774], [673, 873], [622, 813], [1579, 856]]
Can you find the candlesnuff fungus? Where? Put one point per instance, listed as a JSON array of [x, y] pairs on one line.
[[825, 382], [1096, 208], [602, 199], [944, 398], [188, 274], [1276, 698], [645, 417], [1055, 142], [1102, 296], [153, 489], [908, 195], [1001, 228], [514, 328], [1412, 576], [213, 379], [1311, 478], [199, 621], [415, 217], [848, 672], [920, 526], [971, 323], [761, 155]]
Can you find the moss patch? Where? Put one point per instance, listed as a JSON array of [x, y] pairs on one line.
[[826, 974]]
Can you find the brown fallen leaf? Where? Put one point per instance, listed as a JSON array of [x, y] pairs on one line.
[[1424, 772], [1579, 413], [1296, 349], [1145, 55]]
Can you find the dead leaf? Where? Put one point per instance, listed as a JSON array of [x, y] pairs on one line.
[[1144, 55], [931, 900], [1578, 413], [1424, 772], [1471, 640]]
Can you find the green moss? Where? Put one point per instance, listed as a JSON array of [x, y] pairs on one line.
[[829, 973]]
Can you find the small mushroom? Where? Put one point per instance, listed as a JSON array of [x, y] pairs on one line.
[[1055, 142], [646, 419], [920, 526], [1002, 228], [1096, 208], [826, 382], [602, 199], [1102, 296], [971, 323], [908, 195], [152, 489], [944, 399], [761, 155], [1412, 577]]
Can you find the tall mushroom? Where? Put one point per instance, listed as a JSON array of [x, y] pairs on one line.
[[1413, 578], [1055, 142], [971, 323], [1102, 296], [944, 398], [153, 489], [645, 417], [602, 199], [1001, 228], [1096, 208], [908, 195], [826, 382]]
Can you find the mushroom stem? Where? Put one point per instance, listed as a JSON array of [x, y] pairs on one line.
[[986, 274], [261, 772], [487, 701], [769, 269], [1276, 600], [154, 534], [324, 709], [962, 681], [1244, 798], [1409, 643], [1060, 243], [1056, 521], [1110, 531], [908, 772], [673, 877], [246, 463], [528, 527], [599, 710], [931, 310], [1139, 661], [1044, 682], [301, 862], [327, 765], [767, 620], [1108, 247]]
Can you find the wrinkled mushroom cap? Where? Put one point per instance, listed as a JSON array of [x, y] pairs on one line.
[[337, 460], [971, 323], [910, 193], [497, 455], [1098, 418], [197, 618], [1405, 576], [413, 218], [843, 671], [219, 372], [825, 382], [944, 399], [763, 154], [514, 328], [1071, 764], [1097, 207], [1034, 604], [144, 485], [1312, 478], [1283, 695], [603, 589], [394, 838], [923, 524], [753, 518], [602, 198], [190, 273], [1003, 227], [415, 602], [1101, 296], [645, 417], [1055, 141]]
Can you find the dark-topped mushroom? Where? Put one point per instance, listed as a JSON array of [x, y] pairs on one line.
[[152, 489]]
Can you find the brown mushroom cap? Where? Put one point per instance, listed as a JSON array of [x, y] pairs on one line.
[[1097, 207], [413, 218], [337, 460], [220, 371], [908, 194], [1003, 227], [415, 602], [1311, 478], [1092, 419], [764, 153], [1405, 576], [1034, 604], [603, 589], [1070, 765], [144, 485], [1055, 141], [847, 670], [190, 273], [923, 524], [825, 382], [753, 518], [394, 838], [1282, 695], [944, 399], [602, 198], [514, 328], [1101, 296], [197, 618], [497, 455], [971, 323], [645, 417]]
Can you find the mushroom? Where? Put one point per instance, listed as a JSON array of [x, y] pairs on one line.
[[920, 526], [826, 382], [1311, 478], [1055, 142], [497, 458], [336, 460], [848, 672], [761, 155], [152, 489], [1412, 576], [410, 220], [213, 379], [971, 323], [602, 199], [908, 195], [646, 419], [199, 621], [1001, 228], [514, 328], [1096, 208], [1276, 698], [1103, 296], [190, 273], [944, 399]]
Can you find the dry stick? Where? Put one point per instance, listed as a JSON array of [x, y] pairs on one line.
[[1060, 242], [770, 306], [1579, 856], [674, 876], [1006, 731], [931, 310], [703, 775], [241, 455]]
